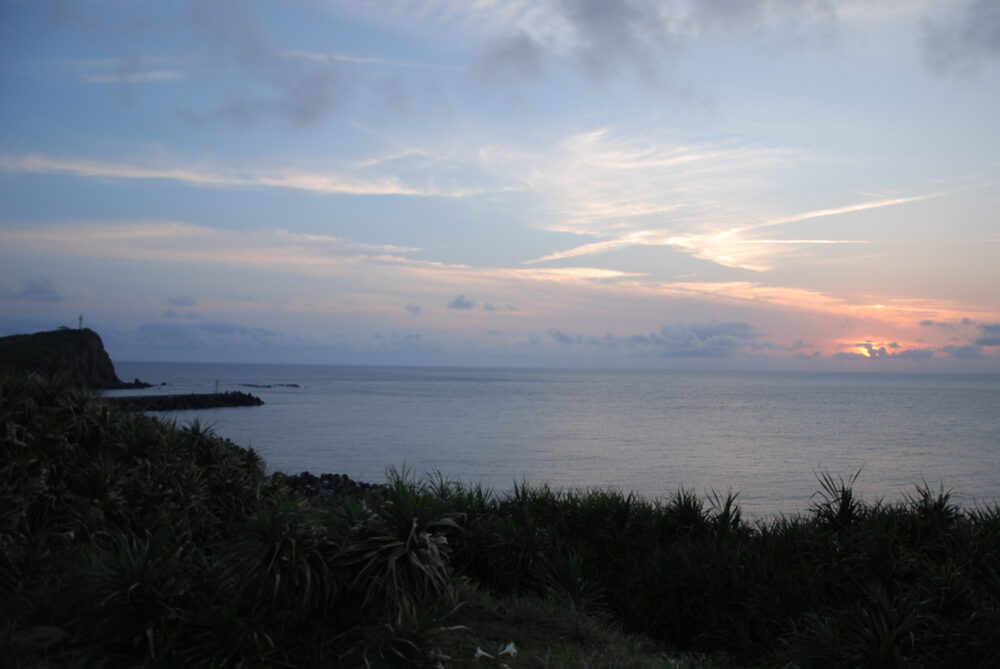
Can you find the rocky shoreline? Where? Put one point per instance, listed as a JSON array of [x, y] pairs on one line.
[[129, 385], [326, 486], [181, 402]]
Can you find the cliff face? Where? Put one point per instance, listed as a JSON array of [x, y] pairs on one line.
[[76, 355]]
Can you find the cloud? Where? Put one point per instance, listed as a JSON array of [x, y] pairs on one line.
[[330, 275], [299, 91], [36, 289], [729, 246], [182, 301], [173, 241], [612, 184], [682, 340], [875, 351], [413, 309], [465, 303], [561, 337], [380, 269], [625, 190], [333, 181], [704, 340], [300, 87], [606, 38], [462, 302], [150, 76], [966, 352], [496, 307], [127, 70], [990, 335], [325, 56], [963, 39], [929, 323], [611, 35], [915, 354], [517, 55], [212, 336], [889, 351]]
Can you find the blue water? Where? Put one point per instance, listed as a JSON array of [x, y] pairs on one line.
[[765, 435]]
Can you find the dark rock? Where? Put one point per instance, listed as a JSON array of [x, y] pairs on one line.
[[133, 385], [326, 486], [181, 402]]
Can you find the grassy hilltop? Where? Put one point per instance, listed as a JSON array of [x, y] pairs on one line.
[[129, 541]]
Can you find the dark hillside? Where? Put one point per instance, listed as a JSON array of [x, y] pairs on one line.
[[78, 356]]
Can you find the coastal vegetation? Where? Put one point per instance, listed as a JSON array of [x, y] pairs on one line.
[[127, 540]]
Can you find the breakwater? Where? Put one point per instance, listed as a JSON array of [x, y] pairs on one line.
[[182, 402]]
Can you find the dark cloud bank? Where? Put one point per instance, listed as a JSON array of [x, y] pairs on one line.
[[696, 340], [964, 39], [614, 36], [464, 303], [36, 289]]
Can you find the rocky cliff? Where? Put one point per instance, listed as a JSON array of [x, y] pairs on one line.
[[76, 355]]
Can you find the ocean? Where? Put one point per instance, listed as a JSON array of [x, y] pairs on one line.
[[765, 435]]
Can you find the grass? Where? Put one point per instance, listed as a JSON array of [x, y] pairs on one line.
[[549, 633], [911, 583], [130, 541]]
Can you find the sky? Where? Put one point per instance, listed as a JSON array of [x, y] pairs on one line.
[[676, 184]]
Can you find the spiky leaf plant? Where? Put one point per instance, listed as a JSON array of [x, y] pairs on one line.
[[399, 554], [284, 559], [837, 504]]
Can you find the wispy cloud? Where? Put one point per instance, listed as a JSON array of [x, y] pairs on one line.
[[268, 249], [836, 211], [149, 76], [333, 181], [173, 241], [897, 312], [324, 56], [611, 183], [709, 227], [127, 70]]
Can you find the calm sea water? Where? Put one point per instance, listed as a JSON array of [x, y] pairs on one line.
[[765, 435]]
